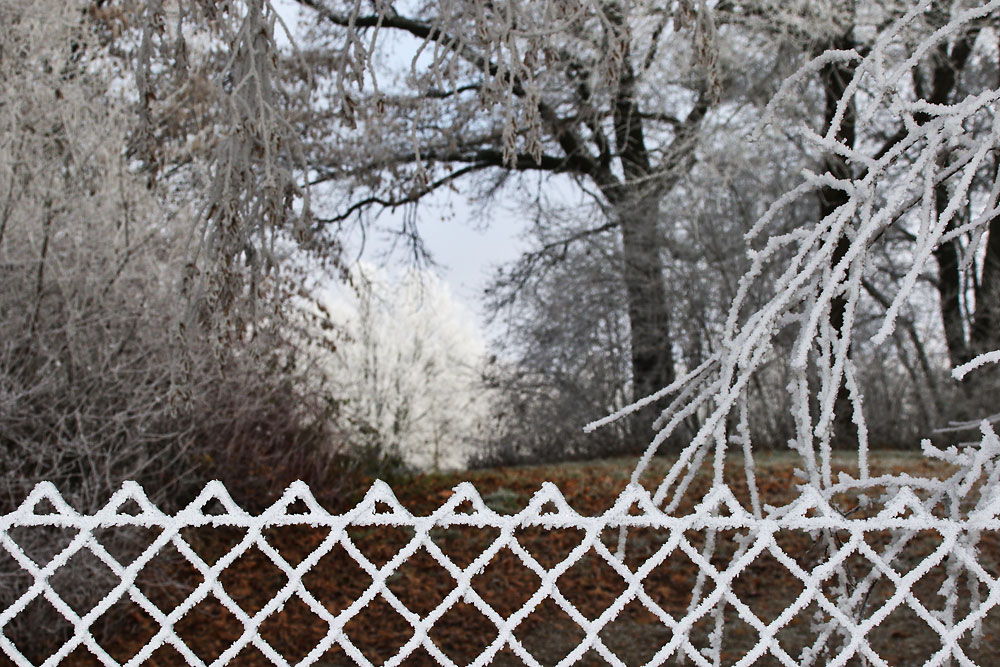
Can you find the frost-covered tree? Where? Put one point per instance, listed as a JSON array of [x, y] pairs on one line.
[[100, 381], [608, 93], [99, 370], [89, 257], [608, 97], [411, 99], [563, 307], [919, 182], [408, 365], [217, 100]]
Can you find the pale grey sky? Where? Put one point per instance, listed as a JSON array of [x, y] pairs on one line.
[[466, 252]]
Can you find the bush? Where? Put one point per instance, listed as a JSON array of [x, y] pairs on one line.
[[105, 375]]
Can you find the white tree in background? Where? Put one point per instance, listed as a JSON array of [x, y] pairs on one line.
[[410, 364]]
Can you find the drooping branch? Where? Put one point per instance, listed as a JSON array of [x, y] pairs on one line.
[[898, 187]]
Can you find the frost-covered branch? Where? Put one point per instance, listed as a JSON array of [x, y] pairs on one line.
[[921, 181]]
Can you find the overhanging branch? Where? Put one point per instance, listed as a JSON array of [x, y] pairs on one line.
[[411, 198]]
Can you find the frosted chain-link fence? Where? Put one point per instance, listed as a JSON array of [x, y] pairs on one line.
[[830, 616]]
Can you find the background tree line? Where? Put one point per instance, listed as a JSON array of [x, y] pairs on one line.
[[618, 128], [641, 110]]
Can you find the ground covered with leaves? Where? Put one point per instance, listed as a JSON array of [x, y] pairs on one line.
[[549, 634]]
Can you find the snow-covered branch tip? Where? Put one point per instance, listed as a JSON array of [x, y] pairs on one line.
[[959, 372]]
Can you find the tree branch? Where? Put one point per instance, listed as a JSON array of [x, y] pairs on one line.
[[411, 198], [577, 155], [482, 158]]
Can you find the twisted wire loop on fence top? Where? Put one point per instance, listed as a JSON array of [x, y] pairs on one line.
[[904, 514]]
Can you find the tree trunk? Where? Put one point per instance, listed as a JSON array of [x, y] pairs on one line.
[[636, 201], [963, 339], [648, 311], [983, 384], [985, 335], [947, 66], [835, 78], [949, 286]]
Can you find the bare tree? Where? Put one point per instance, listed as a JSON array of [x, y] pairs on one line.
[[564, 353], [500, 89], [563, 303]]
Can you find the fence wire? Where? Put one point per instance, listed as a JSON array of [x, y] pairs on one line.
[[832, 597]]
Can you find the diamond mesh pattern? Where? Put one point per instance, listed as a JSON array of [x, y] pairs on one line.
[[840, 627]]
